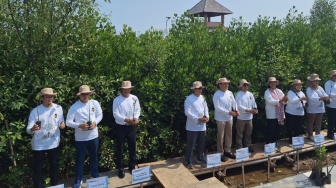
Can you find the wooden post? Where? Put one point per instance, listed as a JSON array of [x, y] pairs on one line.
[[297, 160], [222, 20], [243, 174], [268, 167]]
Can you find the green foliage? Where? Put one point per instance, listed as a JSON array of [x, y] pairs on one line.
[[321, 154], [64, 44]]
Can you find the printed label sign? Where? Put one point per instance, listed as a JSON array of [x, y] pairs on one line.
[[318, 140], [100, 182], [141, 174], [213, 160], [269, 149], [297, 142], [242, 154]]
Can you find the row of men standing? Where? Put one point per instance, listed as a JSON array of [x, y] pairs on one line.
[[226, 108], [243, 106], [46, 120]]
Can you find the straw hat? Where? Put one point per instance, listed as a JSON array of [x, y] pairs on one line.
[[84, 89], [222, 80], [332, 73], [126, 85], [197, 85], [242, 82], [47, 91], [314, 77], [296, 82], [272, 79]]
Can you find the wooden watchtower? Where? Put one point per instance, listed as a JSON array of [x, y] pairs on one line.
[[208, 9]]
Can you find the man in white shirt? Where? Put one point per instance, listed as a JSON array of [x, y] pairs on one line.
[[225, 110], [44, 124], [126, 111], [84, 116], [247, 107], [197, 112], [330, 89]]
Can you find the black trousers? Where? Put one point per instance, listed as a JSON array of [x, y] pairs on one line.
[[331, 112], [273, 130], [192, 138], [294, 125], [52, 156], [125, 133]]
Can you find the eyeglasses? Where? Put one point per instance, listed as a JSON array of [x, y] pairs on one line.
[[199, 88], [245, 84], [85, 94], [224, 84]]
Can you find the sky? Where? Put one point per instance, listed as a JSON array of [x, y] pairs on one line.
[[141, 15]]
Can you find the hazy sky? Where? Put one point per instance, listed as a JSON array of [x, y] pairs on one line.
[[141, 15]]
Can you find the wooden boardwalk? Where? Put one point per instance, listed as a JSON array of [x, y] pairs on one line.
[[172, 173]]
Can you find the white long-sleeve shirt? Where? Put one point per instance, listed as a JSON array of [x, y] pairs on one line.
[[48, 137], [224, 102], [271, 103], [123, 108], [315, 105], [194, 108], [294, 105], [330, 89], [80, 113], [245, 100]]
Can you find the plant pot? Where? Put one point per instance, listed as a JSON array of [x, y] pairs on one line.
[[318, 181], [328, 179], [313, 174]]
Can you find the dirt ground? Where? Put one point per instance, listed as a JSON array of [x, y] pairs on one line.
[[257, 174]]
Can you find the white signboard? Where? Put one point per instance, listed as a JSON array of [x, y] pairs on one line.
[[334, 137], [269, 149], [213, 160], [297, 142], [100, 182], [242, 154], [318, 140], [57, 186], [141, 174]]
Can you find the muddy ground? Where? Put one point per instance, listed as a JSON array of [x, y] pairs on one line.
[[257, 174]]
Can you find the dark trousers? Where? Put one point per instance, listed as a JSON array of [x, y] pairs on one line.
[[123, 133], [52, 156], [90, 146], [273, 130], [294, 125], [331, 112], [192, 137]]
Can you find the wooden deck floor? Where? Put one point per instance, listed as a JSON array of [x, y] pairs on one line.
[[173, 167]]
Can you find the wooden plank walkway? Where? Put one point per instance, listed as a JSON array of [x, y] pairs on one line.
[[176, 164], [174, 176]]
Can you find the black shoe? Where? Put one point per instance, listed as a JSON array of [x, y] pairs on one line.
[[131, 168], [223, 158], [230, 155], [330, 136], [121, 173], [251, 150]]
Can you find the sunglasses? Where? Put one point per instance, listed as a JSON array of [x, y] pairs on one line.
[[48, 97], [245, 84]]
